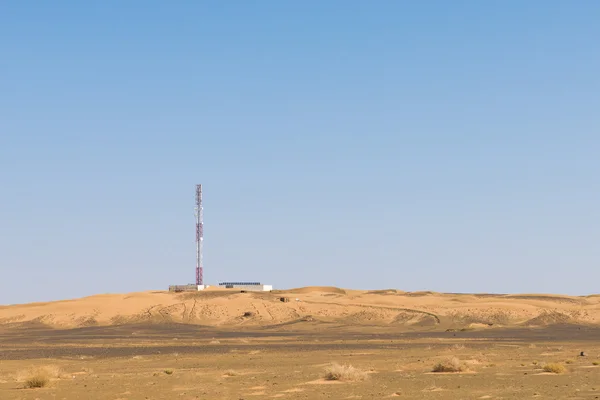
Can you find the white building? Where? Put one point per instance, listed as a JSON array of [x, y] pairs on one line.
[[186, 288], [249, 286]]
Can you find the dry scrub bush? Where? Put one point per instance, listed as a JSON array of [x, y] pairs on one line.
[[337, 372], [451, 365], [36, 381], [554, 368], [168, 371], [596, 363], [39, 377], [231, 373]]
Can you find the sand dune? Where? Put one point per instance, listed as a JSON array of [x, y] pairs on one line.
[[310, 305], [311, 289]]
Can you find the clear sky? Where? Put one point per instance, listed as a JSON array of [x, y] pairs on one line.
[[419, 145]]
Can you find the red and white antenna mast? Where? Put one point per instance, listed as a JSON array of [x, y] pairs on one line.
[[199, 235]]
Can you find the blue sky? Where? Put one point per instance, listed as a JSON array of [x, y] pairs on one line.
[[448, 146]]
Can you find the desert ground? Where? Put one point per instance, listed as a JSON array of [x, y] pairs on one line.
[[324, 343]]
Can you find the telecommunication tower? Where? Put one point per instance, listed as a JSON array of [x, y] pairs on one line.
[[199, 235]]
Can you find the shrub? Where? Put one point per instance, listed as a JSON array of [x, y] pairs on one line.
[[36, 381], [337, 372], [554, 368], [596, 363], [451, 365], [168, 371], [38, 377]]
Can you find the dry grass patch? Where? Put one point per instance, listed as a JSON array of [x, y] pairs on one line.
[[451, 365], [231, 372], [555, 368], [337, 372], [39, 377], [35, 382]]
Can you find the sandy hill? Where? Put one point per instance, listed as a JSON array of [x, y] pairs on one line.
[[328, 306]]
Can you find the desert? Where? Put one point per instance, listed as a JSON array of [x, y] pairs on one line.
[[304, 343], [299, 200]]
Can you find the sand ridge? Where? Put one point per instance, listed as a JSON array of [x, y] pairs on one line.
[[220, 307]]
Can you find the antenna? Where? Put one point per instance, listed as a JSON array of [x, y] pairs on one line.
[[199, 235]]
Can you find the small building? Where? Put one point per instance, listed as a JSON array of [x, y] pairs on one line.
[[186, 288], [248, 286]]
